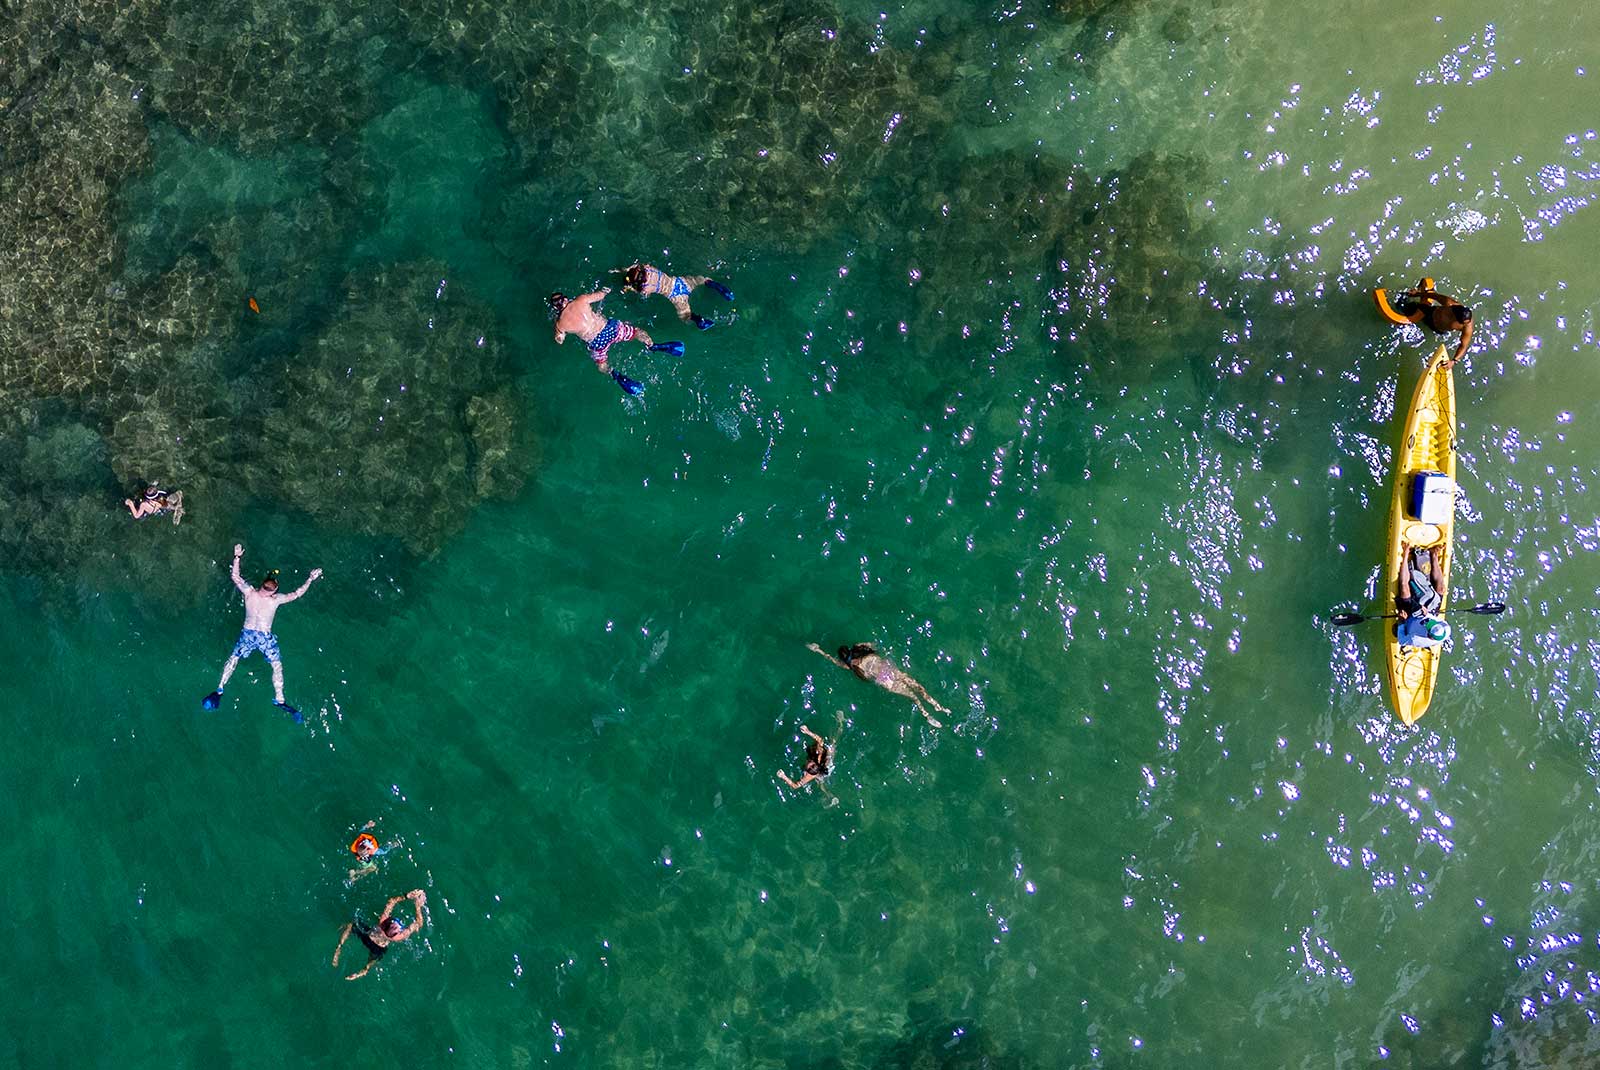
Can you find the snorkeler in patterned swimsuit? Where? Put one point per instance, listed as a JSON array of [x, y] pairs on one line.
[[581, 316], [647, 280], [260, 607]]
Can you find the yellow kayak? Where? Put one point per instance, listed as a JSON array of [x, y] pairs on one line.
[[1427, 447]]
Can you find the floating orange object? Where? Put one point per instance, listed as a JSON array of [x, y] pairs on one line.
[[255, 307], [365, 839]]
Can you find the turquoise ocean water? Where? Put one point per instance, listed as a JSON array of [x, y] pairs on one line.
[[1052, 371]]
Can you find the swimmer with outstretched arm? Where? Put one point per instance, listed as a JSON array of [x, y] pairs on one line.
[[819, 763], [1440, 314], [874, 668], [387, 932], [260, 607]]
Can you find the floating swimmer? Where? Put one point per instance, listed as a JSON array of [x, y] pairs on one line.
[[387, 932], [366, 847], [155, 501], [580, 316], [647, 279], [874, 668], [260, 606]]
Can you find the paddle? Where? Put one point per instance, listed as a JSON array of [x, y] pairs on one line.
[[1487, 609]]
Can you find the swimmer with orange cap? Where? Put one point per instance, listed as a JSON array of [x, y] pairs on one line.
[[366, 847]]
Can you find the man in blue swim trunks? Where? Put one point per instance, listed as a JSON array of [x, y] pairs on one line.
[[260, 606], [581, 316]]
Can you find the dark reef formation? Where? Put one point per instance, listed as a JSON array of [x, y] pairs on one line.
[[161, 163]]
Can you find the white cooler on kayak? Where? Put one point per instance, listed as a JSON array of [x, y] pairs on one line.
[[1433, 497]]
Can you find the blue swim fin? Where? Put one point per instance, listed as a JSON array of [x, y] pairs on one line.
[[291, 711], [705, 323], [716, 287], [212, 701], [631, 387], [675, 348]]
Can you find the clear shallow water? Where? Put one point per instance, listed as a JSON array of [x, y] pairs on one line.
[[1180, 822]]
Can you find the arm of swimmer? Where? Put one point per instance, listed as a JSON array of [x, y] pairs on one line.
[[238, 580], [592, 299], [388, 908], [344, 934], [420, 898], [1466, 340], [316, 574], [824, 653]]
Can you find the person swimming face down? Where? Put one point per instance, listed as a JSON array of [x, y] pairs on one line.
[[819, 759], [634, 278], [851, 654], [392, 928]]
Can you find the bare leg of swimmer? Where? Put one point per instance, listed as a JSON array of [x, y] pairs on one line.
[[682, 305], [924, 711], [227, 671], [277, 680]]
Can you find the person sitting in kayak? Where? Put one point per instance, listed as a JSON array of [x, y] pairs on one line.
[[647, 279], [1418, 599], [1440, 314], [1420, 581]]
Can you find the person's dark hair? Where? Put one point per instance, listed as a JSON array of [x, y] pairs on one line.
[[634, 277], [1463, 314], [392, 927], [848, 654], [557, 301], [271, 580], [818, 758]]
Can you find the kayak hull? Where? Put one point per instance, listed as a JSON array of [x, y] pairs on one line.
[[1428, 445]]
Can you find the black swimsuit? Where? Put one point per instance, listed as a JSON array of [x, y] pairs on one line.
[[375, 949]]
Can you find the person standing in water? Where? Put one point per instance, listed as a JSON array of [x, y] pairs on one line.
[[387, 932], [260, 606], [874, 668], [647, 279], [819, 763], [1440, 314], [581, 316]]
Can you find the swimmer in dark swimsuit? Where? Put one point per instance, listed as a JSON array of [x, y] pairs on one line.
[[819, 763], [874, 668], [1429, 308], [647, 279], [387, 932], [155, 501]]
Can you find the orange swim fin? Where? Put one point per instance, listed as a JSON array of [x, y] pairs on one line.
[[255, 307]]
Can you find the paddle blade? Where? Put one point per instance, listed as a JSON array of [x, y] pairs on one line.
[[1343, 620], [1488, 609]]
